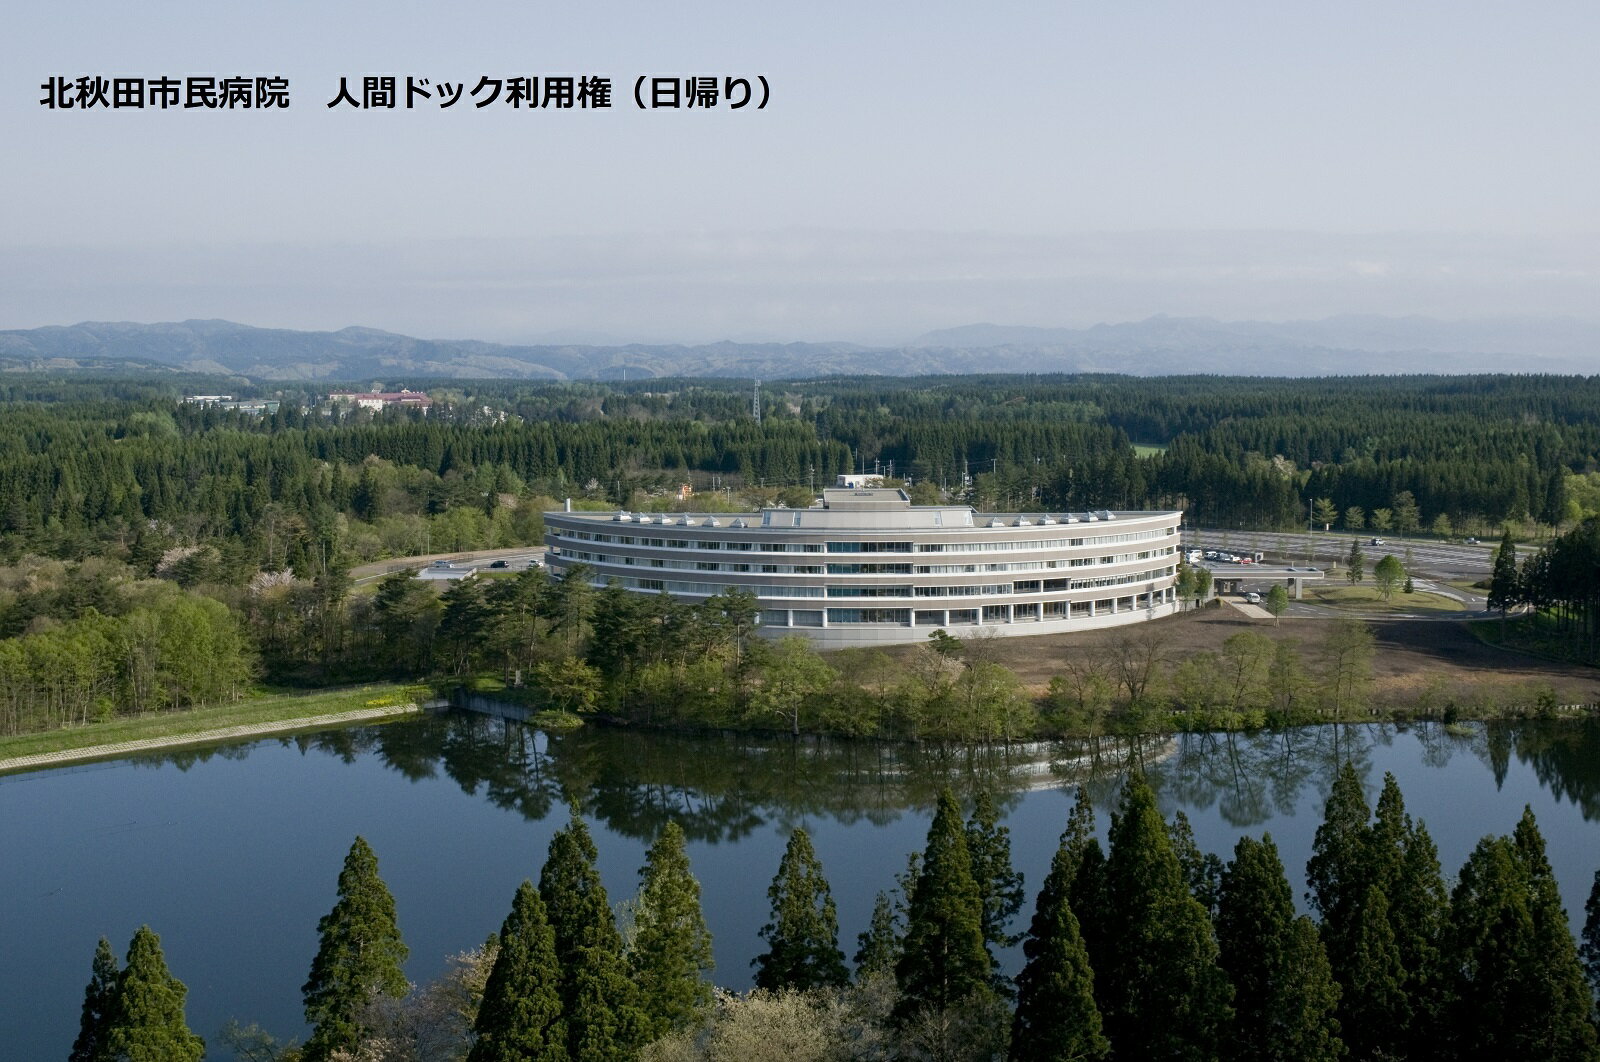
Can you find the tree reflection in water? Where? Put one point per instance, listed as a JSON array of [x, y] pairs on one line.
[[724, 786]]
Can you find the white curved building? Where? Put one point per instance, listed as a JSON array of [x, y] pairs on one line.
[[869, 568]]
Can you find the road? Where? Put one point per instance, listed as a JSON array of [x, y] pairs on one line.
[[1443, 560], [516, 558]]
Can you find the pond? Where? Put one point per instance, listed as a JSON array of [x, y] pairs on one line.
[[231, 852]]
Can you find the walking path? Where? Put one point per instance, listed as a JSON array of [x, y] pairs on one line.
[[200, 737]]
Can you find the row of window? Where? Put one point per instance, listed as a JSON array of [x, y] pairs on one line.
[[1031, 586], [862, 569], [863, 547]]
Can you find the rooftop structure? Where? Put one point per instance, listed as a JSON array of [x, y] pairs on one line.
[[382, 399], [866, 567]]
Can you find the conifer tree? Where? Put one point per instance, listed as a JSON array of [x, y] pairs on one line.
[[359, 957], [1057, 1019], [803, 936], [146, 1022], [1087, 890], [1284, 995], [1162, 993], [1552, 961], [1504, 583], [99, 997], [671, 946], [878, 946], [598, 999], [520, 1015], [999, 885], [1405, 865], [1374, 1009], [943, 961], [1516, 985], [1056, 1016], [1202, 871], [1589, 952], [1337, 874]]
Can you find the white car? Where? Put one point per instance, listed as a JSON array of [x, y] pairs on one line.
[[1252, 598]]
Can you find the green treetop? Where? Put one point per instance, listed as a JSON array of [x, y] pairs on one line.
[[98, 999], [943, 962], [145, 1022], [598, 998], [878, 946], [1338, 873], [1162, 992], [999, 885], [1388, 574], [1284, 994], [1590, 950], [1056, 1016], [803, 936], [520, 1015], [1505, 586], [1515, 981], [672, 946], [359, 957]]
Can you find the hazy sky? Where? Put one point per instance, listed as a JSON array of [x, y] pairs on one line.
[[920, 165]]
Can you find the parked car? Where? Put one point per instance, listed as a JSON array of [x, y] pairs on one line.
[[1252, 598], [1471, 541], [501, 564], [1374, 541]]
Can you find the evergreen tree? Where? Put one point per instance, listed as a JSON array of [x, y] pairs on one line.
[[803, 936], [1590, 951], [1162, 992], [520, 1015], [1516, 984], [1405, 865], [1056, 1018], [1284, 994], [1505, 588], [359, 957], [1337, 873], [943, 962], [1202, 871], [1356, 563], [999, 885], [878, 946], [598, 999], [1374, 1009], [145, 1022], [99, 998], [671, 946], [1056, 1014]]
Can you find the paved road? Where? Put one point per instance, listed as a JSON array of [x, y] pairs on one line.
[[1443, 560], [518, 557]]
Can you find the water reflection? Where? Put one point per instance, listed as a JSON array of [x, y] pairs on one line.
[[723, 787]]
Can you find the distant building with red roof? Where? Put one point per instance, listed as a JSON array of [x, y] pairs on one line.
[[383, 399]]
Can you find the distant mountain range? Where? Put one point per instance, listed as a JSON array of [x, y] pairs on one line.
[[1160, 345]]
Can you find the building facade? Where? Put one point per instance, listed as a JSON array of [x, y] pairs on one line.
[[869, 568]]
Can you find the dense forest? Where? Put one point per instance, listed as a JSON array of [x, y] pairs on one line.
[[161, 554], [1147, 948]]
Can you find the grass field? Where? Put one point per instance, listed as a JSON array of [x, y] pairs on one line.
[[1148, 449], [1367, 599], [265, 708]]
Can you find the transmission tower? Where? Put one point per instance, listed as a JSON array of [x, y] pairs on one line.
[[755, 402]]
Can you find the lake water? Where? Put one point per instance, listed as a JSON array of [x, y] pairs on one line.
[[231, 852]]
